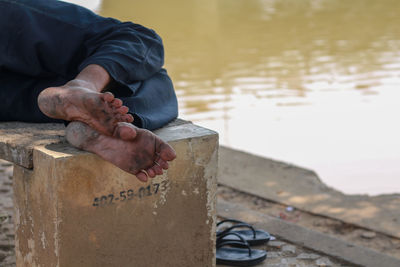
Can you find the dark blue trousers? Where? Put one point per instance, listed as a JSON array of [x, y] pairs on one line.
[[46, 43]]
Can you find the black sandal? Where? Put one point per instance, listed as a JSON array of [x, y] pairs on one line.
[[253, 236], [237, 256]]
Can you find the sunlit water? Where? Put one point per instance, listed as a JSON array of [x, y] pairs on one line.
[[313, 83]]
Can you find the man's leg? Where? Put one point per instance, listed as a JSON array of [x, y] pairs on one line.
[[70, 38], [20, 93], [130, 148], [153, 102]]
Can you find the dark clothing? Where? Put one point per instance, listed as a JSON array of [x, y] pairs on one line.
[[47, 43]]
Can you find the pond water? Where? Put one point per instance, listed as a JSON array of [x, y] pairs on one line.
[[315, 83]]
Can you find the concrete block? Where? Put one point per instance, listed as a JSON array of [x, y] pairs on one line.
[[75, 209]]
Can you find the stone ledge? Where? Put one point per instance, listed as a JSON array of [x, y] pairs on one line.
[[301, 188], [75, 209], [17, 139]]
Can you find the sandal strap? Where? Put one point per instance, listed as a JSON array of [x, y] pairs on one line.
[[237, 243], [237, 226], [220, 237], [229, 220]]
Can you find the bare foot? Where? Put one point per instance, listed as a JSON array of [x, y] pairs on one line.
[[134, 150], [78, 101]]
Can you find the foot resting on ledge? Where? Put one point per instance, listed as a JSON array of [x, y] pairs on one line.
[[75, 101], [101, 124], [134, 150]]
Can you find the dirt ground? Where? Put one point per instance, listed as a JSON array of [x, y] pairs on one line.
[[351, 233]]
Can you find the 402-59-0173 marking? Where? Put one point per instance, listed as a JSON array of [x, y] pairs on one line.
[[130, 194]]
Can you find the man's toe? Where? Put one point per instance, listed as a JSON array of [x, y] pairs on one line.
[[108, 97], [116, 103], [167, 153], [123, 110], [142, 176], [129, 118], [162, 163], [157, 169], [151, 172]]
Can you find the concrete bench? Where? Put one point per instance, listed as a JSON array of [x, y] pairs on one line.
[[74, 209]]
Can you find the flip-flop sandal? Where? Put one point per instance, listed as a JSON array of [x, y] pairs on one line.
[[253, 236], [238, 256]]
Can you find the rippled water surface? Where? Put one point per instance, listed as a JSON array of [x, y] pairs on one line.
[[314, 83]]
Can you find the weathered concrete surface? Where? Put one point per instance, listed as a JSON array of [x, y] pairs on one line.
[[7, 252], [74, 209], [303, 189], [17, 139], [316, 241]]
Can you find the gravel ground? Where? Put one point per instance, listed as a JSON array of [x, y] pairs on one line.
[[351, 233], [283, 253], [279, 252]]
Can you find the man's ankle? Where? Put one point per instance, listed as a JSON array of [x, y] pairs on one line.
[[95, 75]]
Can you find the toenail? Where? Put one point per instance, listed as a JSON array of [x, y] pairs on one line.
[[145, 172]]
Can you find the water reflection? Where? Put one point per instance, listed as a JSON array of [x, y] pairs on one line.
[[259, 47], [93, 5], [313, 82]]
